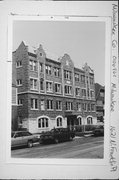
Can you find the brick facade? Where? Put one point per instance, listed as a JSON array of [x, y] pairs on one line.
[[54, 91]]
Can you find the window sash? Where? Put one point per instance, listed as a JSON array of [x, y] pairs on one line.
[[49, 86], [58, 105], [33, 84], [68, 90], [34, 103], [49, 104], [43, 123]]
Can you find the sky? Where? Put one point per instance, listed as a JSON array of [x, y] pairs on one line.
[[84, 41]]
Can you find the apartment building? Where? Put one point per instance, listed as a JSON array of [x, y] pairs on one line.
[[52, 92]]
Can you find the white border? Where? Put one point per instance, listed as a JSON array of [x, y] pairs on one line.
[[68, 162]]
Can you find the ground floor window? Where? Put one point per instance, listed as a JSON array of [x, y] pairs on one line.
[[59, 121], [79, 120], [89, 120], [43, 122]]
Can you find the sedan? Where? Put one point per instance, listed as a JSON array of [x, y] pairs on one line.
[[23, 138], [99, 131]]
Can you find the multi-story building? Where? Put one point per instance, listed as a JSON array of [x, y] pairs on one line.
[[100, 101], [52, 93]]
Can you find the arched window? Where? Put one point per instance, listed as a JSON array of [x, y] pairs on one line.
[[59, 122], [43, 122], [79, 120], [89, 120]]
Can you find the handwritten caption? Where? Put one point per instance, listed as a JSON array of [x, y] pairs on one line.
[[114, 86]]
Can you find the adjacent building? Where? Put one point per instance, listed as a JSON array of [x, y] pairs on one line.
[[52, 92], [100, 101]]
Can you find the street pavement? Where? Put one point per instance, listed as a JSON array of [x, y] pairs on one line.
[[86, 147]]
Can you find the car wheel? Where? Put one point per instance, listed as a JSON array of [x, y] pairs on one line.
[[56, 141], [30, 144]]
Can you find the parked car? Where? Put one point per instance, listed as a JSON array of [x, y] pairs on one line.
[[57, 135], [23, 138], [99, 131]]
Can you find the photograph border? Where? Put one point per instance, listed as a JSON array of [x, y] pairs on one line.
[[107, 62]]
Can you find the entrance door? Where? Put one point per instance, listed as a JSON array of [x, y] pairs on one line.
[[71, 119]]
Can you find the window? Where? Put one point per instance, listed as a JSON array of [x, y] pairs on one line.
[[92, 94], [89, 120], [19, 64], [41, 67], [101, 94], [59, 121], [48, 69], [84, 106], [19, 82], [68, 90], [78, 106], [92, 107], [49, 86], [42, 105], [20, 102], [80, 120], [89, 107], [69, 106], [58, 105], [34, 103], [77, 78], [83, 78], [57, 88], [83, 93], [49, 104], [67, 74], [43, 122], [77, 91], [91, 80], [33, 84], [33, 65], [56, 72], [41, 84]]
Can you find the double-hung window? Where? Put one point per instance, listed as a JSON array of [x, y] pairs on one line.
[[56, 72], [58, 105], [43, 122], [48, 69], [18, 64], [49, 86], [41, 84], [83, 92], [49, 104], [59, 122], [33, 65], [34, 103], [83, 78], [77, 91], [67, 75], [77, 77], [78, 106], [19, 82], [33, 84], [69, 106], [57, 88], [41, 67], [68, 90], [92, 107], [20, 102]]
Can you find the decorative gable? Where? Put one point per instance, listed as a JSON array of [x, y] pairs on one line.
[[67, 62]]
